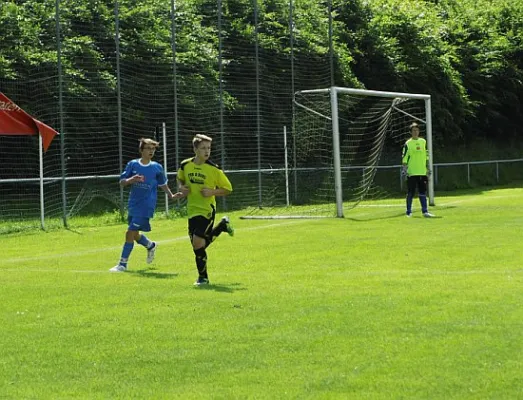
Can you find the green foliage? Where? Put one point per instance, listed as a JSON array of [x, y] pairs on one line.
[[486, 36], [466, 53]]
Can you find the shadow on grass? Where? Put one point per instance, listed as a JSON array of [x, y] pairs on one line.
[[372, 217], [150, 273], [73, 230], [230, 288]]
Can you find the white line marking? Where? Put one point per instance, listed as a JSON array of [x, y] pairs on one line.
[[119, 247], [348, 272]]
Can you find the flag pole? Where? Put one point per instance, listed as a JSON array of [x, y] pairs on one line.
[[41, 162]]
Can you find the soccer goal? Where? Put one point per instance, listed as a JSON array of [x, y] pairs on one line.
[[345, 148]]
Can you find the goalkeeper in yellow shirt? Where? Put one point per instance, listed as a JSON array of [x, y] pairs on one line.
[[201, 180], [415, 159]]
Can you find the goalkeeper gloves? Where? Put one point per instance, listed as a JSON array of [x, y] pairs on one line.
[[404, 172]]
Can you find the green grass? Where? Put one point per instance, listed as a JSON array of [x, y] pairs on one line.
[[373, 306]]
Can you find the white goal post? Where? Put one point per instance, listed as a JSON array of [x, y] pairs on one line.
[[334, 93]]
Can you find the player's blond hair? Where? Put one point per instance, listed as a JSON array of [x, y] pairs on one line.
[[144, 141], [199, 138]]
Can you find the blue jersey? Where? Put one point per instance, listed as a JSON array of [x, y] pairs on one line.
[[142, 199]]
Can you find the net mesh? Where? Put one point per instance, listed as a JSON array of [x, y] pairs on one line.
[[372, 131], [229, 73]]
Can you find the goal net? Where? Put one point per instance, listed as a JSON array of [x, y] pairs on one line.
[[345, 148]]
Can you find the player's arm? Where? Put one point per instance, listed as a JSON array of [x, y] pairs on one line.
[[405, 155], [223, 187], [217, 192], [429, 172], [131, 180], [405, 160], [183, 190], [127, 179], [166, 189]]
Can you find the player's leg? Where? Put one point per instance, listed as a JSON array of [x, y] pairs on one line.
[[130, 236], [411, 190], [199, 229], [145, 242], [211, 233], [422, 190], [223, 226], [422, 193]]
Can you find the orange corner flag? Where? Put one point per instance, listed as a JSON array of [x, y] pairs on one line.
[[15, 121]]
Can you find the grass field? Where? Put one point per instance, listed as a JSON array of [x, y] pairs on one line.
[[373, 306]]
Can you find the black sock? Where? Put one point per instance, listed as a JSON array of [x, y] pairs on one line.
[[209, 239], [201, 262], [218, 229]]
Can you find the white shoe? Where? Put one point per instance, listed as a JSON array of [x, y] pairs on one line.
[[118, 268], [409, 215], [428, 215], [201, 282], [151, 252]]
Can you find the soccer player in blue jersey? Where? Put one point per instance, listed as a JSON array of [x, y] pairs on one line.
[[201, 181], [144, 176], [415, 160]]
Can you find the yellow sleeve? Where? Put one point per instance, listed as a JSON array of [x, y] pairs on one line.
[[223, 181]]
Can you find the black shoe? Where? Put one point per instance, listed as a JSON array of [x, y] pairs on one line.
[[227, 226]]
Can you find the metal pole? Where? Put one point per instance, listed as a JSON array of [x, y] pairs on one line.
[[220, 89], [41, 173], [61, 113], [119, 100], [336, 152], [258, 126], [164, 140], [293, 133], [331, 44], [428, 112], [286, 166], [175, 83]]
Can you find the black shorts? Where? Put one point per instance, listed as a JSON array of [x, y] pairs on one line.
[[417, 182], [201, 226]]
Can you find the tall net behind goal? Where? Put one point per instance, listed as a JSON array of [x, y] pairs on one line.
[[345, 148]]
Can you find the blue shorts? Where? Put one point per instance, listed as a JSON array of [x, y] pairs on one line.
[[138, 224]]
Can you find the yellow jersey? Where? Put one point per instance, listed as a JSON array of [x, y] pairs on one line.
[[196, 177]]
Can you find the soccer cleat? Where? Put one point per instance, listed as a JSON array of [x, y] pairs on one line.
[[228, 226], [428, 215], [409, 215], [151, 252], [118, 268], [201, 282]]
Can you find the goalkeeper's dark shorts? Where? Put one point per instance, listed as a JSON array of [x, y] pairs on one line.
[[417, 182]]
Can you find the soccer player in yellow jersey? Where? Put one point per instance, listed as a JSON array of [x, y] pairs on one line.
[[201, 180], [415, 159]]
